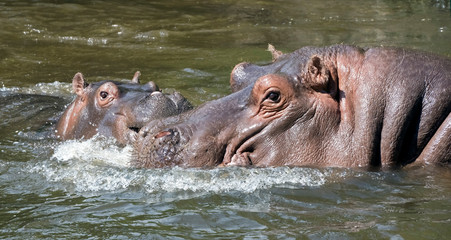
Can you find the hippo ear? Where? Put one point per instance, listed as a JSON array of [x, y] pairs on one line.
[[135, 78], [320, 76], [275, 53], [79, 84]]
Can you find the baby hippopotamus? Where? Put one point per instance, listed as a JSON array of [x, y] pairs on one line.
[[115, 109]]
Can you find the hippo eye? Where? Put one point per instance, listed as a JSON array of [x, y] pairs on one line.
[[273, 96], [103, 94]]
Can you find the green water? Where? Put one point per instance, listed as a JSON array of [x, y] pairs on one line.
[[85, 190]]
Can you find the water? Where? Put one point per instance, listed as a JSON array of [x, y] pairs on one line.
[[85, 189]]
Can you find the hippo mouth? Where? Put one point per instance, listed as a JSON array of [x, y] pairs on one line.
[[242, 149]]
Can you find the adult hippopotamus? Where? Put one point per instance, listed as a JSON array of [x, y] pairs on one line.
[[115, 109], [340, 106]]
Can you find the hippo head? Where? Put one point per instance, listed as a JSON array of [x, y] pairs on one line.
[[243, 127], [115, 109]]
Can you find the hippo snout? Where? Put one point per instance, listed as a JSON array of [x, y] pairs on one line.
[[156, 150]]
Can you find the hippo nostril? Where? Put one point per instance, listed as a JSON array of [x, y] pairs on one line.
[[135, 129], [164, 133]]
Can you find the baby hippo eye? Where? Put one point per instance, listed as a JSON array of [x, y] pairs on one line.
[[103, 94], [273, 96]]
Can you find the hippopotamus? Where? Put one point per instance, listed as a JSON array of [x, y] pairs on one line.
[[115, 109], [334, 106]]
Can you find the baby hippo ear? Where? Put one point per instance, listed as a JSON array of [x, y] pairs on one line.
[[320, 77], [79, 84], [135, 78]]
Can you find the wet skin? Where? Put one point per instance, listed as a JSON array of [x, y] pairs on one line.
[[339, 106], [115, 109]]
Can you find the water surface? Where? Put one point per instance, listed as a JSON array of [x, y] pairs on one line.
[[85, 189]]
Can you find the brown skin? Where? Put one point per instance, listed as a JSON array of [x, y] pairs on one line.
[[115, 109], [339, 106]]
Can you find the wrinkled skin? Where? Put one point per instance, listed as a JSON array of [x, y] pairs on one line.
[[115, 109], [339, 106]]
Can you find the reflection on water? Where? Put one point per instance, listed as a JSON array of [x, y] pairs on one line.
[[85, 188]]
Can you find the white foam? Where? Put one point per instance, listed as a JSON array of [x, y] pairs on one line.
[[231, 179], [98, 164], [97, 150]]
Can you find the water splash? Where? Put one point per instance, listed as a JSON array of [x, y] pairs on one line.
[[98, 164], [96, 151], [220, 180]]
